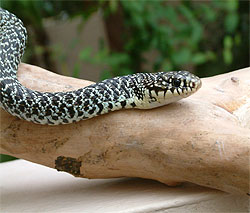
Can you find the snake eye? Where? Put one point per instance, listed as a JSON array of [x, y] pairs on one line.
[[176, 82]]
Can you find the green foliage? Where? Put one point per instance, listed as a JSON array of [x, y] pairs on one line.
[[179, 32], [4, 158], [184, 34], [227, 51]]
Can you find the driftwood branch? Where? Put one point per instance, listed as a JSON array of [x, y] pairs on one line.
[[204, 139]]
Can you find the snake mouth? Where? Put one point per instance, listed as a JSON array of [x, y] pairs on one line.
[[193, 86], [197, 85]]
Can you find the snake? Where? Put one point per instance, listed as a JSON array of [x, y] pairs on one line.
[[140, 90]]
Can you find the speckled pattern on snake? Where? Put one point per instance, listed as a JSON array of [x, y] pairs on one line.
[[141, 90]]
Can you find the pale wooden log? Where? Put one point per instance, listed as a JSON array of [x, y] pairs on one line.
[[204, 139]]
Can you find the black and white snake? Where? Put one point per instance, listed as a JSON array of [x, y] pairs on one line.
[[141, 90]]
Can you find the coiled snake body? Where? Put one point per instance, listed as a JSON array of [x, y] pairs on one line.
[[141, 90]]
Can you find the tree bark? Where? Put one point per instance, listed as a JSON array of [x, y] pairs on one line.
[[204, 139], [115, 29]]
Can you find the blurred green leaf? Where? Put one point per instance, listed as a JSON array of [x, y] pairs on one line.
[[227, 51], [170, 14], [105, 74], [232, 5], [227, 55], [113, 5], [101, 56], [209, 14], [182, 56], [210, 55], [167, 65], [199, 58], [5, 158], [77, 70], [118, 58], [85, 54], [196, 32], [231, 22], [138, 21], [228, 42], [39, 50], [237, 39]]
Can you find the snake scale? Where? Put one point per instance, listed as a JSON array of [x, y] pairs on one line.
[[141, 90]]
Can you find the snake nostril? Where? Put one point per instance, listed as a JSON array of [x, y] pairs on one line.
[[192, 84]]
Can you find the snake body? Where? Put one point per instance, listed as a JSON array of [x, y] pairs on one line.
[[141, 90]]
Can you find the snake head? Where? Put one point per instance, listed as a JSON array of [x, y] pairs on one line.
[[181, 83], [168, 87]]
